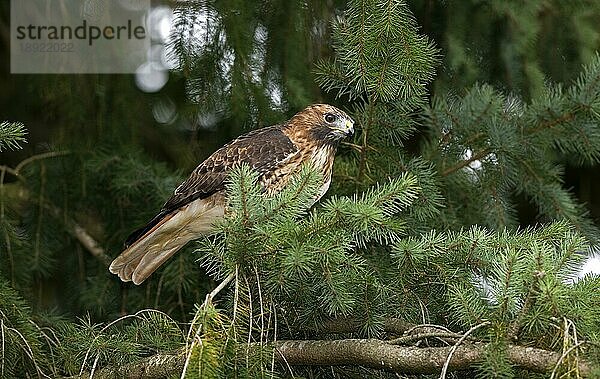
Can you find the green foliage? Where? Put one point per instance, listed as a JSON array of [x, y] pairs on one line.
[[216, 352], [14, 245], [307, 270], [251, 61], [12, 134], [302, 261], [48, 346], [292, 269], [19, 337], [495, 147], [523, 283], [495, 273], [513, 45], [86, 346], [495, 364], [426, 218], [63, 192], [208, 348], [379, 54], [384, 65]]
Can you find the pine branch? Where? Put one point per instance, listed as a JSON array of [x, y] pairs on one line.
[[410, 360], [88, 242], [10, 170], [390, 325], [37, 157], [219, 288], [73, 228], [457, 345], [421, 336], [551, 123], [515, 327], [362, 163], [371, 353], [482, 154], [155, 367]]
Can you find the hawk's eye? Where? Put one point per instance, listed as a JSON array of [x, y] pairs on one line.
[[330, 118]]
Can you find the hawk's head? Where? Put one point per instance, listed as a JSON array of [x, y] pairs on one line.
[[322, 122]]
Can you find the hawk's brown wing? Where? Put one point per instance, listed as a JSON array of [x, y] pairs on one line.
[[263, 150], [200, 200]]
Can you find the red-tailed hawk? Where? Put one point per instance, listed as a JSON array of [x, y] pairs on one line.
[[275, 152]]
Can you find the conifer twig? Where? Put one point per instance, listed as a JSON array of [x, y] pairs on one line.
[[556, 120], [390, 325], [515, 327], [154, 367], [33, 158], [189, 348], [89, 243], [453, 349], [563, 356], [219, 288], [421, 336], [568, 325], [482, 154], [81, 235], [11, 171], [427, 328], [362, 162]]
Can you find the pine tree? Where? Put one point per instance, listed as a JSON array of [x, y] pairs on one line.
[[418, 254]]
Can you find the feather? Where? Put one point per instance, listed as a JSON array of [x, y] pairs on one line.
[[166, 237], [275, 153], [263, 150]]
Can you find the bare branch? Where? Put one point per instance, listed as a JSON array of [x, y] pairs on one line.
[[421, 336], [88, 242], [33, 158], [371, 353], [453, 349], [219, 288], [410, 360], [482, 154]]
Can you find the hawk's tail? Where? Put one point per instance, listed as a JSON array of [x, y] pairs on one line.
[[164, 238]]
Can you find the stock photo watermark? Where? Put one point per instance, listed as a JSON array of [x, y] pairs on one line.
[[74, 36]]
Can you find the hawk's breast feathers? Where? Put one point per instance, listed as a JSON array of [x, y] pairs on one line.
[[275, 153]]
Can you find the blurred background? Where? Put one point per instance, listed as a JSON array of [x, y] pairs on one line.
[[217, 69], [251, 63]]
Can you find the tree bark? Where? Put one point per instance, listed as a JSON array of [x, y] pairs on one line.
[[370, 353], [410, 360]]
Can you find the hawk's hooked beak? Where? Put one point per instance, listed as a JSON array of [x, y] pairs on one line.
[[345, 127], [349, 127]]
